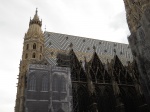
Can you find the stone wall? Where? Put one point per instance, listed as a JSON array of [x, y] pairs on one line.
[[139, 41]]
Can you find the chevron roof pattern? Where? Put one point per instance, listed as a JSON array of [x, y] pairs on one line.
[[84, 47]]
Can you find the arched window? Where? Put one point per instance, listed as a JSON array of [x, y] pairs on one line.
[[26, 56], [55, 83], [40, 48], [40, 57], [27, 47], [34, 46], [63, 84], [44, 83], [33, 55], [32, 83]]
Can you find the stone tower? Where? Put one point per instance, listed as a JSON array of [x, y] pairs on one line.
[[138, 19], [32, 52]]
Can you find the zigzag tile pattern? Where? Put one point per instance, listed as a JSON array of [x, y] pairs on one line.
[[83, 47]]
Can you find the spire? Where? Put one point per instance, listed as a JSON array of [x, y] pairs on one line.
[[36, 10], [36, 15], [35, 19]]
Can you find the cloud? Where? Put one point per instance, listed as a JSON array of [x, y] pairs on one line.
[[118, 21]]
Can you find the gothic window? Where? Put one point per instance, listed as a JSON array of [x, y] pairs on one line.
[[26, 56], [34, 46], [63, 85], [40, 48], [27, 47], [82, 99], [44, 83], [32, 83], [55, 83], [33, 55], [40, 57]]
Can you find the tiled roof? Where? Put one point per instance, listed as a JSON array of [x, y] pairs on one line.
[[56, 42]]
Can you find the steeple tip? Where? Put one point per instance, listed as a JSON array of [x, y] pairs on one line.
[[36, 11], [35, 19], [36, 14]]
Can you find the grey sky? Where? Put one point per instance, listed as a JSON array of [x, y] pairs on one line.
[[99, 19]]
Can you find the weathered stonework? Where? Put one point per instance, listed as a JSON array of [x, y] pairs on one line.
[[134, 12], [138, 18]]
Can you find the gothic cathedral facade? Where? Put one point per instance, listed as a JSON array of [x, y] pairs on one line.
[[65, 73]]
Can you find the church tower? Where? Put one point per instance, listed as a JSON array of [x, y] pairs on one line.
[[32, 52]]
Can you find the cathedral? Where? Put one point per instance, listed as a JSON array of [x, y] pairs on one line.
[[66, 73]]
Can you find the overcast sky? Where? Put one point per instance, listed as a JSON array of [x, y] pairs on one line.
[[99, 19]]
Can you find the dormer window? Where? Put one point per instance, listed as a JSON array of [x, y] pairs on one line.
[[34, 46], [66, 38], [88, 48]]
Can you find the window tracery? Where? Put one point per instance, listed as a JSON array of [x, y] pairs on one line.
[[63, 84], [44, 83], [55, 83], [32, 83]]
